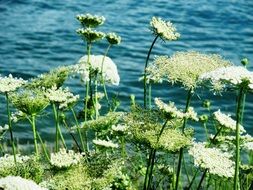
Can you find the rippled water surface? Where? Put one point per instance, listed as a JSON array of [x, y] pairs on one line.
[[38, 35]]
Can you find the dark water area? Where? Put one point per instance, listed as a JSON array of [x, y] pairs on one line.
[[38, 35]]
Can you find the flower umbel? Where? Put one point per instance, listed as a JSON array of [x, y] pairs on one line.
[[113, 38], [9, 84], [104, 143], [163, 29], [90, 35], [90, 21]]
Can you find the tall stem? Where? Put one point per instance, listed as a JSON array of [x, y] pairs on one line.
[[145, 73], [87, 82], [239, 116], [102, 70], [181, 152], [43, 147], [96, 97], [35, 136], [10, 127], [78, 129], [202, 179]]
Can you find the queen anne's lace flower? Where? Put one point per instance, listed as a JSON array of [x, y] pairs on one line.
[[18, 183], [88, 20], [113, 38], [7, 161], [184, 67], [64, 158], [174, 112], [163, 29], [109, 70], [9, 84], [104, 143], [62, 96], [213, 159], [249, 146], [233, 76], [119, 128], [226, 121], [90, 35], [4, 128]]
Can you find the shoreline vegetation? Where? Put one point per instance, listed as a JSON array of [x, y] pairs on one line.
[[150, 146]]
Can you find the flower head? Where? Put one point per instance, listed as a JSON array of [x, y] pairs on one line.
[[4, 128], [184, 67], [228, 77], [113, 38], [226, 121], [9, 84], [109, 70], [62, 96], [7, 161], [65, 159], [119, 128], [90, 21], [217, 162], [18, 183], [90, 35], [104, 143], [30, 102], [163, 29]]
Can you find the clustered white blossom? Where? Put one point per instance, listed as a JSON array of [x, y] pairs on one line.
[[212, 159], [174, 112], [65, 158], [88, 20], [4, 128], [164, 29], [119, 128], [249, 146], [109, 70], [107, 144], [9, 84], [18, 183], [113, 38], [16, 115], [7, 161], [232, 76], [62, 96], [226, 121]]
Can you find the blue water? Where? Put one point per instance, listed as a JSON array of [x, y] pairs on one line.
[[38, 35]]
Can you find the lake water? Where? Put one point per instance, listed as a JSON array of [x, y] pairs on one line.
[[38, 35]]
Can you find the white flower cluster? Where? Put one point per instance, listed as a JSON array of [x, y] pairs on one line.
[[18, 183], [109, 70], [4, 128], [15, 116], [119, 128], [232, 76], [226, 121], [89, 20], [107, 144], [249, 146], [164, 29], [65, 158], [213, 159], [9, 84], [62, 96], [174, 112], [7, 161]]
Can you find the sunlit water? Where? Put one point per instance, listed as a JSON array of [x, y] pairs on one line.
[[38, 35]]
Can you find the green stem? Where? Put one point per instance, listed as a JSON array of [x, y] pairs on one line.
[[43, 147], [87, 83], [123, 147], [96, 97], [10, 127], [239, 115], [181, 152], [103, 80], [145, 72], [149, 95], [202, 179], [78, 129], [35, 136]]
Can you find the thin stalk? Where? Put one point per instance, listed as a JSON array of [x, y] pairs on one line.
[[102, 76], [87, 82], [10, 127], [43, 147], [56, 129], [145, 72], [35, 136], [202, 179], [148, 168], [96, 97], [123, 147], [239, 114], [181, 152], [149, 95], [78, 129]]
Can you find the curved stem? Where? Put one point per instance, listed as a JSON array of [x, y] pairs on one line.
[[103, 79], [181, 152], [10, 127], [78, 129], [202, 179], [43, 147], [145, 73], [239, 116], [35, 136]]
